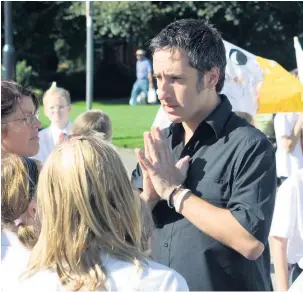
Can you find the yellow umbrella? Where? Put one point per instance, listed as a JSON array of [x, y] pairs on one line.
[[280, 91]]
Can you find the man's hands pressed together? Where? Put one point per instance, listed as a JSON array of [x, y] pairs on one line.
[[160, 175]]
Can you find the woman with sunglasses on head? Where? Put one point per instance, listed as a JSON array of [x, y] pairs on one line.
[[19, 177], [19, 122], [93, 235]]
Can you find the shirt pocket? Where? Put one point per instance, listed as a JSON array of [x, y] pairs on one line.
[[213, 191]]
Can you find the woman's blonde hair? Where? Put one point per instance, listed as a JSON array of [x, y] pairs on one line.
[[54, 90], [88, 207], [93, 120], [19, 176]]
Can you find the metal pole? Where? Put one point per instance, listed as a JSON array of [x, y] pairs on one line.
[[89, 55], [8, 49]]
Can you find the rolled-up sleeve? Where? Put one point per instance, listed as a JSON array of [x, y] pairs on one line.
[[282, 127], [254, 188]]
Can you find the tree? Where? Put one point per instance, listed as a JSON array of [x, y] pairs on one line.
[[264, 28], [127, 21], [51, 36], [42, 34]]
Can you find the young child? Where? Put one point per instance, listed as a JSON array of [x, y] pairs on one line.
[[57, 106], [19, 225], [93, 120], [92, 229]]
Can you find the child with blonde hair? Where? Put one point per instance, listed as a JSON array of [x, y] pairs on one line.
[[92, 232], [19, 176], [93, 120], [57, 106]]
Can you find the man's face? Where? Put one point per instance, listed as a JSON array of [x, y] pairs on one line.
[[177, 85], [139, 57]]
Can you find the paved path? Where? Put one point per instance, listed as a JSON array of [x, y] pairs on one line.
[[129, 158], [130, 161]]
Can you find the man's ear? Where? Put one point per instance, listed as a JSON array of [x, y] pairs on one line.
[[212, 78]]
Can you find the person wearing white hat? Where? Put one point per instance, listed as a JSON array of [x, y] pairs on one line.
[[144, 79]]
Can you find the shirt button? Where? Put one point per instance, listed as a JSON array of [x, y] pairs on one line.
[[166, 244]]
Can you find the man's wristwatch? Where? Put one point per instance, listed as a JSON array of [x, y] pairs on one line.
[[180, 196], [181, 192], [170, 197]]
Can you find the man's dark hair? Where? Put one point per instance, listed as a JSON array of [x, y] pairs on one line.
[[202, 43]]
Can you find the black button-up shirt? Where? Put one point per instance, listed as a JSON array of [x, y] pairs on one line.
[[232, 166]]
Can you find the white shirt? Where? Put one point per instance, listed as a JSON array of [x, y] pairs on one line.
[[14, 258], [48, 139], [287, 163], [121, 276], [297, 286], [162, 121], [287, 219]]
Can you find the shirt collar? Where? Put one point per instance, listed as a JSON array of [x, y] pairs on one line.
[[216, 120], [56, 130]]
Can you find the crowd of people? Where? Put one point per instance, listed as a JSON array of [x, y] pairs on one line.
[[198, 211], [75, 222]]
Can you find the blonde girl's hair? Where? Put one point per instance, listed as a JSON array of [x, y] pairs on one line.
[[88, 208], [93, 120], [19, 177], [54, 90]]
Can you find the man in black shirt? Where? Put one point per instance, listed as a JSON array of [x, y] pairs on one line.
[[210, 178]]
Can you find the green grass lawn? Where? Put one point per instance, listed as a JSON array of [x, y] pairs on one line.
[[129, 122]]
